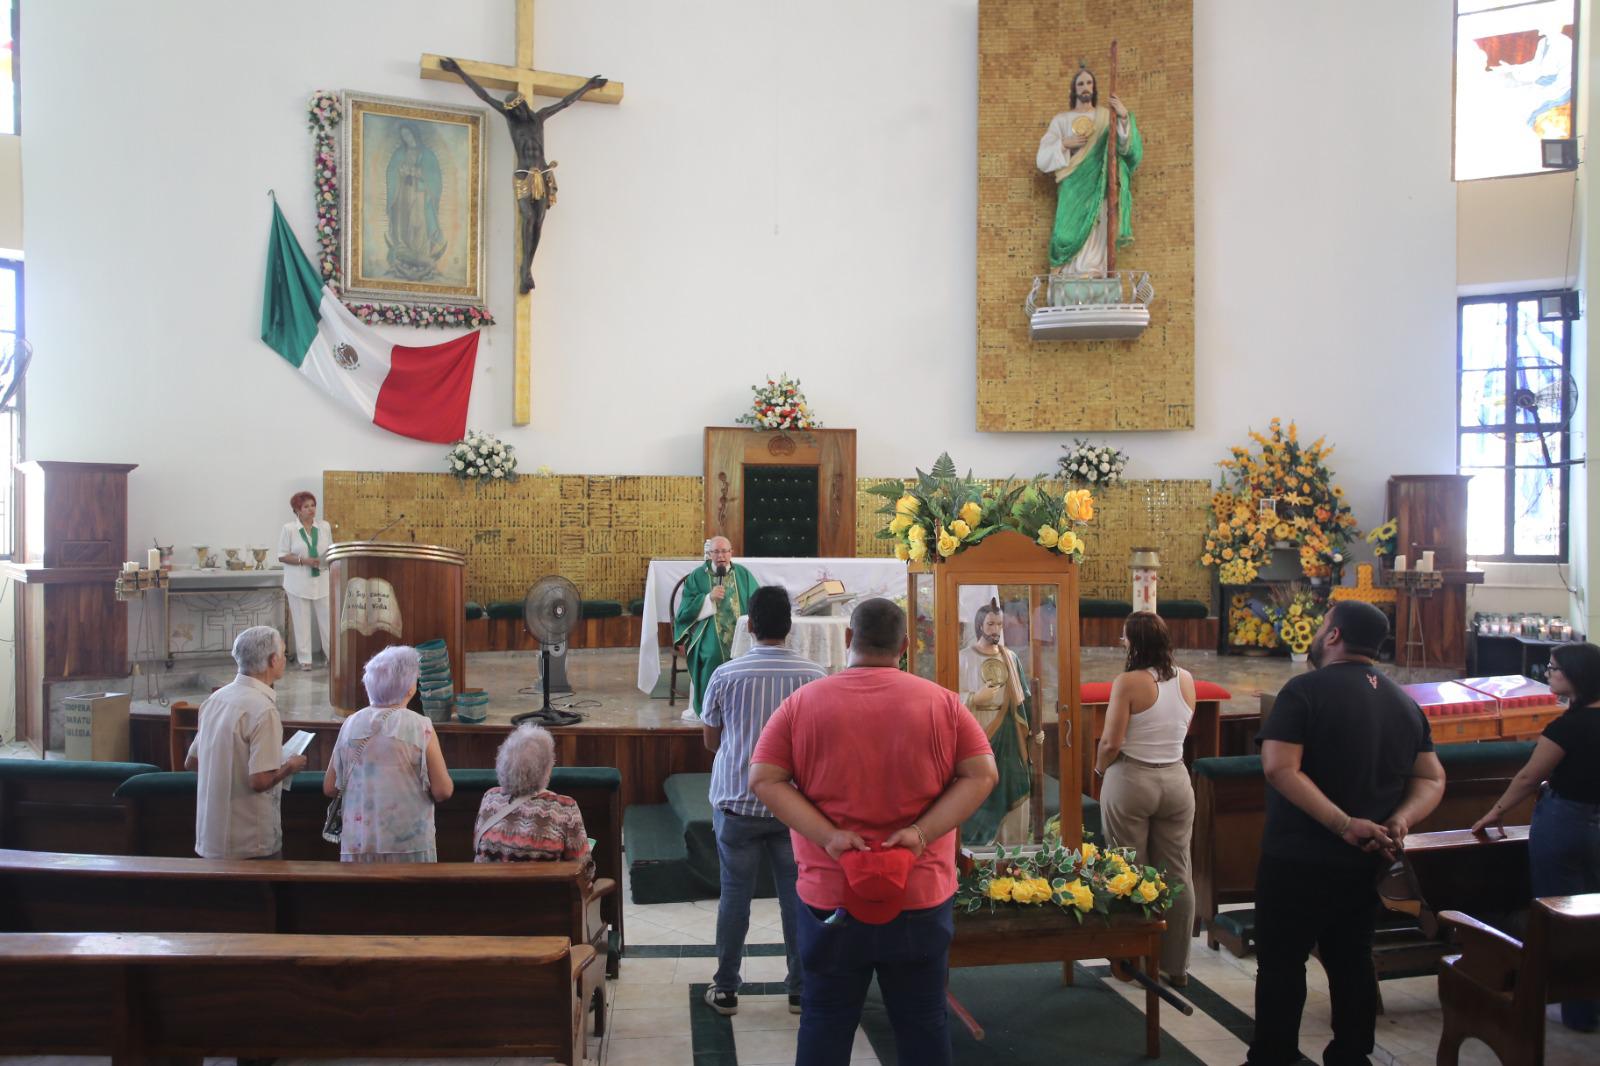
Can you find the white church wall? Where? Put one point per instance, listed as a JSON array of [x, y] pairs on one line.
[[1512, 233], [11, 193], [786, 187]]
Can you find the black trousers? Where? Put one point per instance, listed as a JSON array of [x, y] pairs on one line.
[[1301, 906]]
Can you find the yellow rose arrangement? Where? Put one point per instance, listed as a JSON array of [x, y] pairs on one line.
[[1308, 511], [1083, 881], [942, 513]]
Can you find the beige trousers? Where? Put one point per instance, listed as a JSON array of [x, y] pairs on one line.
[[1152, 811]]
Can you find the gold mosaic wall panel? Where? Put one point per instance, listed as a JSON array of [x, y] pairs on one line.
[[1028, 49], [602, 532], [1170, 516]]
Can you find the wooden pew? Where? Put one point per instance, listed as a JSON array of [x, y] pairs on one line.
[[46, 892], [64, 805], [1230, 812], [159, 820], [137, 996], [1497, 988]]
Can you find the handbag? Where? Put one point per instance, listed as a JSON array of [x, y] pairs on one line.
[[333, 821]]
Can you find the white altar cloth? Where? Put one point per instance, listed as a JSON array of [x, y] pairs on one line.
[[819, 638], [861, 577]]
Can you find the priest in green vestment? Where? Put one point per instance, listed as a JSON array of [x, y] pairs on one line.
[[709, 606], [995, 689], [1073, 151]]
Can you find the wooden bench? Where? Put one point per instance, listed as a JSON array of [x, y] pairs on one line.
[[1497, 988], [64, 805], [159, 820], [47, 892], [137, 996], [1230, 813]]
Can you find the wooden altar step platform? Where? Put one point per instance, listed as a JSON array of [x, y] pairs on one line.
[[671, 847]]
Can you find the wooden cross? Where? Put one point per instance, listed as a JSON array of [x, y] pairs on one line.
[[522, 78]]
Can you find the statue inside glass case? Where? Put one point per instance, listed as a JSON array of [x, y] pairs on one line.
[[994, 687]]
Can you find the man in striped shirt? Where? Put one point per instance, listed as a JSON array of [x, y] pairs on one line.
[[741, 695]]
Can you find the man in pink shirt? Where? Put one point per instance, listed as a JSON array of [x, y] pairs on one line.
[[871, 759]]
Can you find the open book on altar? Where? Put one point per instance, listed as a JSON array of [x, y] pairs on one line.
[[820, 598]]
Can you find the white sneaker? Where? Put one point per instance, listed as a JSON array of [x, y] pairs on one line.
[[688, 715]]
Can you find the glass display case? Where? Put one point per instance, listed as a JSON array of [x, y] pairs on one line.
[[998, 623]]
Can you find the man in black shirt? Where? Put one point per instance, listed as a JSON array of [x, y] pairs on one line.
[[1350, 768]]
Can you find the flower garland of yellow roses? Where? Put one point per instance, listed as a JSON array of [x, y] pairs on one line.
[[1311, 511], [942, 513], [1080, 881]]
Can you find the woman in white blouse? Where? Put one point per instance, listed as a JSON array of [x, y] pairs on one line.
[[301, 545]]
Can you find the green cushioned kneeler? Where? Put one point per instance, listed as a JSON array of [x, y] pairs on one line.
[[1229, 766], [1484, 751], [599, 609], [474, 610], [1091, 807], [1182, 609], [658, 866], [1391, 926], [636, 607], [506, 609], [74, 769], [561, 777], [1093, 608], [168, 783]]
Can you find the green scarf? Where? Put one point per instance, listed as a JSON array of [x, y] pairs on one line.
[[311, 546]]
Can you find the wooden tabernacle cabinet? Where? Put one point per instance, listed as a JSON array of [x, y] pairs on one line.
[[823, 462], [1430, 512], [74, 536]]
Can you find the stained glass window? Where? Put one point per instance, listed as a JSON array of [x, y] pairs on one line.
[[1514, 83], [11, 330], [1515, 399]]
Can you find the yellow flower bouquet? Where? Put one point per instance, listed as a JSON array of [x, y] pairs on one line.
[[1283, 494], [942, 513], [1084, 881]]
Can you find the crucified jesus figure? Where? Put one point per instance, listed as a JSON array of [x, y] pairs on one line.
[[535, 180]]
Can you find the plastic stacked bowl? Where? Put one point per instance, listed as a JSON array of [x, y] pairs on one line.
[[472, 705], [434, 684]]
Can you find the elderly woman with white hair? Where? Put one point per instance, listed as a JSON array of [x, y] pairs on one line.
[[521, 820], [388, 766]]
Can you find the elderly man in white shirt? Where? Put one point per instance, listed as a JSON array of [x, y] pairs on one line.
[[239, 755]]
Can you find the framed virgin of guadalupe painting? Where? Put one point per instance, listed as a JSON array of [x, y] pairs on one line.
[[411, 201]]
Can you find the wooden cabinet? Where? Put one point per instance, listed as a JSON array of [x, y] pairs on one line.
[[1430, 511], [74, 524], [782, 492]]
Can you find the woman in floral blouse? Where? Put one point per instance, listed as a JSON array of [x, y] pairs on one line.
[[388, 764], [521, 820]]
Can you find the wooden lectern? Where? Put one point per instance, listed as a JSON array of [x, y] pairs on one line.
[[782, 492], [386, 593]]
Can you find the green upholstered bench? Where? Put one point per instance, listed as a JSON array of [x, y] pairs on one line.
[[65, 805], [636, 607], [1177, 609], [506, 609], [1095, 608], [599, 609], [474, 611]]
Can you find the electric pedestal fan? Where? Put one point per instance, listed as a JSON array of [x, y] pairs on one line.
[[550, 611]]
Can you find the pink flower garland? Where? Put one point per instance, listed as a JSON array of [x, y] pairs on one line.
[[323, 118]]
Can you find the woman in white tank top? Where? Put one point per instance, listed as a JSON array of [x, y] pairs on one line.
[[1146, 799]]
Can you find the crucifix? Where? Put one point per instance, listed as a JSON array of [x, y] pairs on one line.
[[533, 184]]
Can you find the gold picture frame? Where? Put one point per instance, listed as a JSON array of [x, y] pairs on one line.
[[411, 201]]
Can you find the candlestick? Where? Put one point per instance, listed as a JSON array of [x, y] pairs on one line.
[[153, 559], [1399, 564], [1427, 561]]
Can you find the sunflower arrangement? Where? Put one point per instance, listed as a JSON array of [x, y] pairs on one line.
[[1248, 625], [942, 513], [1283, 494], [1080, 881], [1385, 538], [1296, 613]]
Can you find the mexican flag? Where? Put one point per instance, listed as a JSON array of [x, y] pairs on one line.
[[417, 391]]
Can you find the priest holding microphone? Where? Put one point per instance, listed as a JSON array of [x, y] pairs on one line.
[[713, 598]]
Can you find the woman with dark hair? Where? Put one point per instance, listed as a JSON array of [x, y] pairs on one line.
[[1146, 800], [1564, 839], [301, 544]]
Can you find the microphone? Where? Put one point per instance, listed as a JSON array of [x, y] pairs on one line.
[[397, 519]]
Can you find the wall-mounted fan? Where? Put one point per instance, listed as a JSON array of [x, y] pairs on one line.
[[15, 353], [550, 611], [1539, 402]]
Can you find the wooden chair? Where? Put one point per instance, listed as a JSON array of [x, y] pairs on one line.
[[1497, 988], [677, 649]]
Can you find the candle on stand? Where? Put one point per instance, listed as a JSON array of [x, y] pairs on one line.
[[152, 559], [130, 567], [1427, 561], [1399, 564]]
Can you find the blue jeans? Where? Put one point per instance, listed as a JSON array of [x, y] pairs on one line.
[[1564, 860], [910, 955], [741, 841]]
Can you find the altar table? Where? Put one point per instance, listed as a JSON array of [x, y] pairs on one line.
[[819, 638], [861, 577]]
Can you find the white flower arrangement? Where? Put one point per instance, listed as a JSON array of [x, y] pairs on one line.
[[1090, 464], [481, 455]]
